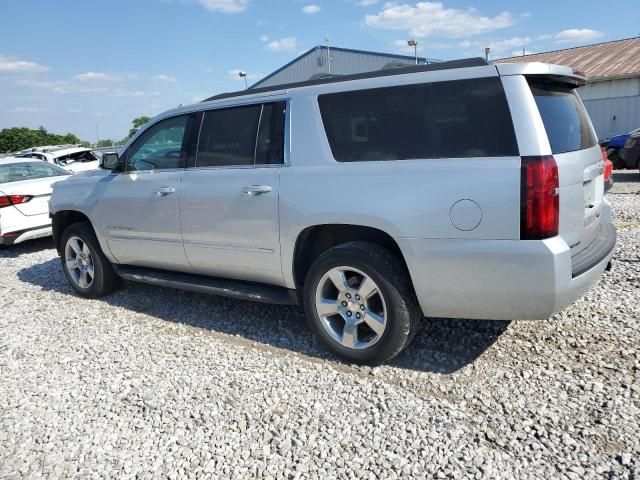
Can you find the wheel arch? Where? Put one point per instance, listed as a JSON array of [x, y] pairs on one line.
[[61, 220], [314, 240]]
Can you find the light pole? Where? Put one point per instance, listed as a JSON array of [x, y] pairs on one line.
[[414, 43], [244, 75], [487, 51]]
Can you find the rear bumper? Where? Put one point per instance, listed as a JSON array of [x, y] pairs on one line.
[[19, 236], [501, 279]]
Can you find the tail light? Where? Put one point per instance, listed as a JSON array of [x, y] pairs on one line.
[[540, 199], [8, 200]]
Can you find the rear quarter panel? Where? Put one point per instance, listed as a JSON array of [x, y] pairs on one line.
[[404, 198]]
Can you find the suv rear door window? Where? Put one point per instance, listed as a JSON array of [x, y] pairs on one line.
[[228, 136], [565, 119], [248, 135], [457, 119]]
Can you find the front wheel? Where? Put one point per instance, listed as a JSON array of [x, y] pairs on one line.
[[87, 269], [359, 300]]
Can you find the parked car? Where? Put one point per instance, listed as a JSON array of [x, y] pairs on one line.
[[459, 189], [74, 159], [630, 153], [613, 146], [25, 188]]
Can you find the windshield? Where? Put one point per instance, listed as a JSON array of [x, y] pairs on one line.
[[16, 172], [77, 157], [565, 119]]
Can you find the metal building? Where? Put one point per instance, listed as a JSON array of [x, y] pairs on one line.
[[612, 95], [323, 60]]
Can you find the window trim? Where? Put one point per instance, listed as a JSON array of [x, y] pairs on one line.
[[286, 161]]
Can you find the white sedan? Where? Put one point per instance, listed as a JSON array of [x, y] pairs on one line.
[[25, 188]]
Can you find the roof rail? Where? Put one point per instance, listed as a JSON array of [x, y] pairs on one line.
[[464, 63]]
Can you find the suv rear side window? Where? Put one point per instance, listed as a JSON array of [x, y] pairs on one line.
[[457, 119], [248, 135], [565, 119]]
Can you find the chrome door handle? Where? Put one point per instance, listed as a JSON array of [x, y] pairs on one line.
[[256, 189], [164, 191]]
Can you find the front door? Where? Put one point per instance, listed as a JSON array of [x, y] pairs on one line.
[[139, 208], [229, 200]]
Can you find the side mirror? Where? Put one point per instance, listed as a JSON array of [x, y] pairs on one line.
[[110, 161]]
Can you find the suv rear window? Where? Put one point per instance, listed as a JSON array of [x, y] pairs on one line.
[[565, 119], [457, 119]]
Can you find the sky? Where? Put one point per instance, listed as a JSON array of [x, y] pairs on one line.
[[89, 67]]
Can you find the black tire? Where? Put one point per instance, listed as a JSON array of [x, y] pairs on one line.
[[403, 315], [618, 163], [105, 279]]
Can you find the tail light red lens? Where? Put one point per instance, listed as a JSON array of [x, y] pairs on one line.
[[608, 169], [540, 198], [8, 200]]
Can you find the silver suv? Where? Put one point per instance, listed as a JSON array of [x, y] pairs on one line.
[[460, 189]]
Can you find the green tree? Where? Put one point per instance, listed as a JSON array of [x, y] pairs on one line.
[[20, 138], [136, 124]]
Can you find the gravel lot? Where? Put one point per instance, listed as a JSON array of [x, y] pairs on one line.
[[156, 383]]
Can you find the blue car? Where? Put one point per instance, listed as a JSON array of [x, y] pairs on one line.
[[613, 146]]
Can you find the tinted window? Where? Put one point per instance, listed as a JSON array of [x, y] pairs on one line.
[[16, 172], [228, 136], [465, 118], [565, 119], [270, 145], [160, 146]]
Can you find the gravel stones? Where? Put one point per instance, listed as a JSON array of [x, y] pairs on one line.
[[155, 383]]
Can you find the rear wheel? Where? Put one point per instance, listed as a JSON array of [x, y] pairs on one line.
[[85, 266], [360, 302]]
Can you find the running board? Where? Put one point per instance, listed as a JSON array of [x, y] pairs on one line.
[[257, 292]]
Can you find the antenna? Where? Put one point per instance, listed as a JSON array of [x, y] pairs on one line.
[[326, 39]]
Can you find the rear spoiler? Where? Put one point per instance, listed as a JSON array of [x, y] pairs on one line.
[[557, 73]]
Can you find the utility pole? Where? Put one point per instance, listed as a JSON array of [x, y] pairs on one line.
[[244, 75], [326, 39], [414, 43], [97, 136]]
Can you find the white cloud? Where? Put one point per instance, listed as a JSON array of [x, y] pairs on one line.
[[502, 46], [103, 77], [225, 6], [13, 65], [287, 44], [29, 110], [366, 3], [264, 39], [132, 93], [577, 35], [431, 18], [519, 53], [163, 78], [311, 9]]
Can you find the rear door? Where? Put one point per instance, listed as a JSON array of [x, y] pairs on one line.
[[574, 146], [229, 200]]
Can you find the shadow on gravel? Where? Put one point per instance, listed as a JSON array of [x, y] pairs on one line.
[[442, 346], [25, 248]]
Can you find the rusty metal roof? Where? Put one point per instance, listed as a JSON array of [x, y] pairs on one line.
[[601, 61]]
